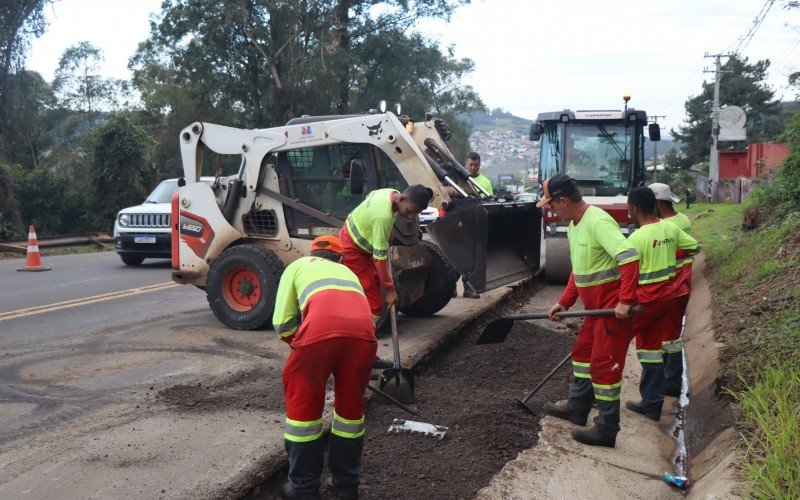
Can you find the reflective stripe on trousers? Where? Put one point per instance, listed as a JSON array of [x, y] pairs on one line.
[[345, 428], [302, 432], [646, 356], [580, 370], [605, 392], [672, 346]]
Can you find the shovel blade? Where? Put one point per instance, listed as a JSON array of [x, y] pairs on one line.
[[417, 428], [495, 332], [398, 384], [524, 406]]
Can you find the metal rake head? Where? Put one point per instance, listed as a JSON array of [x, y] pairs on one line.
[[400, 426]]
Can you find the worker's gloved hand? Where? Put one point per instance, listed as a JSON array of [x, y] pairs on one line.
[[622, 310], [391, 297], [557, 308]]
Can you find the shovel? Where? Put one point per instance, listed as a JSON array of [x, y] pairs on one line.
[[523, 403], [397, 382], [497, 331], [400, 426]]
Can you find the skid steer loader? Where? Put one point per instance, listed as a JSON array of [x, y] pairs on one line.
[[298, 181]]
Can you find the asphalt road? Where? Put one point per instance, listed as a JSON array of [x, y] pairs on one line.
[[85, 347], [90, 354]]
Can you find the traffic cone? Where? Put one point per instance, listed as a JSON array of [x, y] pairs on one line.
[[33, 261]]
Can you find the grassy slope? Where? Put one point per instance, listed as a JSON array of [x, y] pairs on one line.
[[755, 279]]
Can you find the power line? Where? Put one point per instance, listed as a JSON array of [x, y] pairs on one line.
[[744, 41]]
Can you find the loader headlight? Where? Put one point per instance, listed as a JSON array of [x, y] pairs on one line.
[[124, 220]]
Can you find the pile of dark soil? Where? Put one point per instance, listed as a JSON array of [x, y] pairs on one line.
[[471, 390]]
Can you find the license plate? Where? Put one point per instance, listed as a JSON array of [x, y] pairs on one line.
[[144, 239]]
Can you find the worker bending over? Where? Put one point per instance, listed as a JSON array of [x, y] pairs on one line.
[[365, 238], [656, 241], [673, 345], [322, 312], [604, 273]]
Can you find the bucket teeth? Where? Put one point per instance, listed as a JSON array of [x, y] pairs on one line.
[[400, 426]]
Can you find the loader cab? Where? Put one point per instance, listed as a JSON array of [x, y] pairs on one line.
[[323, 178], [602, 150]]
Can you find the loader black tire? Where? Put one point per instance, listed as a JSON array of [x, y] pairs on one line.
[[241, 286], [439, 285]]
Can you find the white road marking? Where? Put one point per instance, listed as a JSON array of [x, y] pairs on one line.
[[30, 311]]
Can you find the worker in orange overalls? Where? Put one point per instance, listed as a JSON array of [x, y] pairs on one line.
[[604, 273], [365, 238], [322, 312], [657, 241], [672, 344]]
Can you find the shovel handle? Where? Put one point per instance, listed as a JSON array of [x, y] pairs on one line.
[[392, 400], [571, 314]]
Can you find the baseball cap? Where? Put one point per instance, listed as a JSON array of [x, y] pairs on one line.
[[663, 192], [556, 186], [327, 242]]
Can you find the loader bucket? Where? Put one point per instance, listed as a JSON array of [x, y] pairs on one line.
[[492, 243]]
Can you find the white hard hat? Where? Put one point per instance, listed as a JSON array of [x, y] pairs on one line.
[[663, 192]]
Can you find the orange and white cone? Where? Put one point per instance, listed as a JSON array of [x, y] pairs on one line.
[[33, 260]]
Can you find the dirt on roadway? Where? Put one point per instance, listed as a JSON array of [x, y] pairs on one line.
[[471, 389]]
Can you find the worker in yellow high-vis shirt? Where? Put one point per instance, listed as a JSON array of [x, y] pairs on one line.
[[672, 343], [657, 242], [321, 311]]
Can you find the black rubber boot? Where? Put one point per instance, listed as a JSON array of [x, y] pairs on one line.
[[350, 493], [651, 388], [577, 408], [344, 461], [594, 437], [607, 418], [288, 491], [305, 467], [673, 373], [638, 407]]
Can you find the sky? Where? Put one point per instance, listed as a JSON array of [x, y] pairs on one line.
[[530, 56]]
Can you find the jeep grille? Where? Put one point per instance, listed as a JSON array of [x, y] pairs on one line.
[[149, 220]]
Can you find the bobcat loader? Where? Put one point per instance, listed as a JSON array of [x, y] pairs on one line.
[[233, 238]]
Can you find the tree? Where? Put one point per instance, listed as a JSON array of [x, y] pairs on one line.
[[121, 171], [28, 113], [251, 63], [19, 21], [10, 222], [79, 87], [741, 84]]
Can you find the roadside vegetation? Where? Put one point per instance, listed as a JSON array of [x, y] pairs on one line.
[[753, 262]]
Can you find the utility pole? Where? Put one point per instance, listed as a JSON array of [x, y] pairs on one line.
[[713, 170], [655, 149]]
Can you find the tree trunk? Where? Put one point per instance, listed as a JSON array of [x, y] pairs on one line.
[[343, 72]]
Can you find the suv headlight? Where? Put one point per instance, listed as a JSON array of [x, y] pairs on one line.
[[124, 220]]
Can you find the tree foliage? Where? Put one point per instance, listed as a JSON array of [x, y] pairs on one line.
[[79, 86], [19, 21], [742, 84], [121, 172], [257, 63], [29, 117], [75, 155], [782, 197]]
